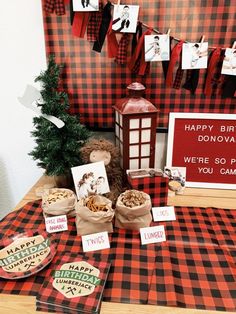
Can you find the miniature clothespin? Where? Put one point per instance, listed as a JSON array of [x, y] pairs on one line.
[[202, 41], [168, 34], [118, 5]]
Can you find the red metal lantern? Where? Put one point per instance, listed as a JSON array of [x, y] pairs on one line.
[[135, 129]]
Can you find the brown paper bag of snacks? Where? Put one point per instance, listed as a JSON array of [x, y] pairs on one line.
[[59, 202], [94, 214], [133, 210]]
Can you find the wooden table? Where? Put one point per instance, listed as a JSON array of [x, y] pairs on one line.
[[192, 197]]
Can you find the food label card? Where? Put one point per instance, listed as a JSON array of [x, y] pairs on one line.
[[165, 213], [152, 234], [56, 223], [95, 241]]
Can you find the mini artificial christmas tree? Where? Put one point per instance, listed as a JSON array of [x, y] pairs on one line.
[[58, 149]]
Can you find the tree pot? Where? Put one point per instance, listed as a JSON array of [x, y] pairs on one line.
[[64, 181]]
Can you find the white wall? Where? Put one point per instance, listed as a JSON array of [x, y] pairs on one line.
[[22, 57]]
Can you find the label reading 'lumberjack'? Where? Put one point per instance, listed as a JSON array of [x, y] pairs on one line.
[[24, 254], [76, 279]]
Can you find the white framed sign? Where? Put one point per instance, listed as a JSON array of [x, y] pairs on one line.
[[205, 144]]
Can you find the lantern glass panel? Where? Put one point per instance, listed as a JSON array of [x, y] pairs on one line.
[[144, 162], [121, 149], [121, 135], [134, 151], [145, 150], [117, 131], [134, 164], [117, 118], [117, 142], [145, 136], [133, 137], [146, 122], [134, 124], [121, 120]]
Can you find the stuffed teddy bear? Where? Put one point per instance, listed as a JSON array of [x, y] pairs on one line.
[[104, 150]]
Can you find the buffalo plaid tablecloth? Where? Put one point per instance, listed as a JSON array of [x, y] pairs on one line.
[[194, 268], [195, 276]]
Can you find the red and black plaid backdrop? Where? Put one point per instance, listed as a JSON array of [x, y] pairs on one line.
[[94, 82]]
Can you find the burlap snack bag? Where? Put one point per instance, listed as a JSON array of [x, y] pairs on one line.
[[94, 214], [133, 210], [59, 202]]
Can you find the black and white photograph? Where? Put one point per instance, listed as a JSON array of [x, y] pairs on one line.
[[229, 63], [90, 179], [176, 174], [125, 18], [85, 5], [157, 48], [194, 55]]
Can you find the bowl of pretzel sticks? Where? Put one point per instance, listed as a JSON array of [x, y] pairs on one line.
[[97, 203], [94, 214]]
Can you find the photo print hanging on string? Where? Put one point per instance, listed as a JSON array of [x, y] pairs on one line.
[[85, 5], [157, 47], [125, 18], [194, 55], [229, 63]]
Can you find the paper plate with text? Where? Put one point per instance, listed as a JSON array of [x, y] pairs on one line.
[[25, 254]]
